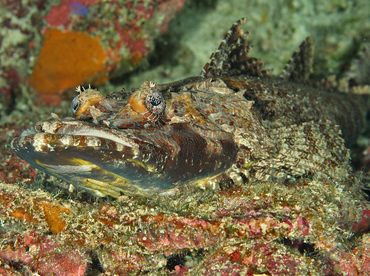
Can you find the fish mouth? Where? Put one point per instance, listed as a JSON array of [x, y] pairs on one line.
[[107, 161], [102, 160]]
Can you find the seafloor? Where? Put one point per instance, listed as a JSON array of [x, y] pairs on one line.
[[309, 228]]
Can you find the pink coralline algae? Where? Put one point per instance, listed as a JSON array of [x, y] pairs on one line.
[[266, 228], [58, 14], [49, 260]]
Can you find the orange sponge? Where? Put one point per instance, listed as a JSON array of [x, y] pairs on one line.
[[68, 59]]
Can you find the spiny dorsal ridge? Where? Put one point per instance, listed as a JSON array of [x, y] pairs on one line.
[[231, 57], [299, 67]]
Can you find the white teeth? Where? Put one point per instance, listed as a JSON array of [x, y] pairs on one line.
[[67, 140], [39, 142]]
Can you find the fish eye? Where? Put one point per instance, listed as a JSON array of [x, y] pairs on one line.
[[75, 104], [155, 102]]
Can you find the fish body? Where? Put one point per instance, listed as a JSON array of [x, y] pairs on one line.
[[232, 124]]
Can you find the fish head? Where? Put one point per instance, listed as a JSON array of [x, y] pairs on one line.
[[145, 143]]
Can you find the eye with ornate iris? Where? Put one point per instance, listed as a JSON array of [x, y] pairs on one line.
[[75, 104], [155, 102]]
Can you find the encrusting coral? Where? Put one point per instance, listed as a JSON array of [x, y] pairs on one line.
[[68, 59]]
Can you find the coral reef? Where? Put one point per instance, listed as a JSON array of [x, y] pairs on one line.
[[301, 228], [75, 42], [267, 227]]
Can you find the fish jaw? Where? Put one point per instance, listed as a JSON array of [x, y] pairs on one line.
[[112, 162], [98, 159]]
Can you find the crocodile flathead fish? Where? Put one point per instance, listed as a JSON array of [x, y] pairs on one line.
[[231, 125]]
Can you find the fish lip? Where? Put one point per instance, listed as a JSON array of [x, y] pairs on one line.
[[38, 128], [71, 127]]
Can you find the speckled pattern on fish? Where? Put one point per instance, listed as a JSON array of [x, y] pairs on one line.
[[231, 125]]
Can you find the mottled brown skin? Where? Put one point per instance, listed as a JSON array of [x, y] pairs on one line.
[[233, 123], [283, 103]]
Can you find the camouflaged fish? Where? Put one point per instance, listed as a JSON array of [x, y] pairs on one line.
[[232, 124]]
